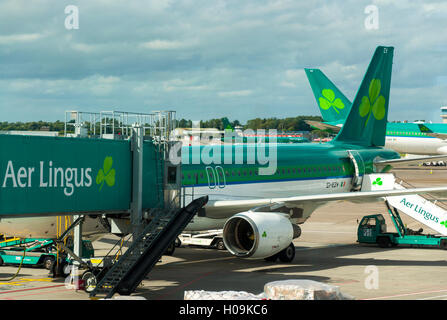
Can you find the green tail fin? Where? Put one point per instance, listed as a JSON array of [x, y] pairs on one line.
[[367, 119], [227, 125], [424, 128], [334, 106]]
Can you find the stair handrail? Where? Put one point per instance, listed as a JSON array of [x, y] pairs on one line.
[[427, 196]]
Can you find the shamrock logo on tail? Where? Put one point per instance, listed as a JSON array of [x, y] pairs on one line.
[[328, 100], [374, 104], [378, 182], [106, 174], [444, 223]]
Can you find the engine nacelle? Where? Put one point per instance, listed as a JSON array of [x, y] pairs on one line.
[[257, 235]]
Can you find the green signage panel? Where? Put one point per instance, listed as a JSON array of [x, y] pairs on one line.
[[153, 170], [47, 175]]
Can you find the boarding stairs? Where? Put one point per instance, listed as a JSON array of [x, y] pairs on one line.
[[425, 209], [145, 251]]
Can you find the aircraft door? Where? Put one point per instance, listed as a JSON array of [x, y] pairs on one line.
[[212, 177], [359, 169], [220, 176]]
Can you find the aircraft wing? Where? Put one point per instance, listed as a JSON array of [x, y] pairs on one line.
[[404, 162], [430, 133], [323, 126], [366, 196], [441, 136]]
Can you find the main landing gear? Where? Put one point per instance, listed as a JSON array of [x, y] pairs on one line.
[[286, 255]]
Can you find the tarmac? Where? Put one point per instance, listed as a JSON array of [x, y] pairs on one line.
[[327, 252]]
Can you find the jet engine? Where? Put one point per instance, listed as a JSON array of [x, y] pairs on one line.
[[258, 235]]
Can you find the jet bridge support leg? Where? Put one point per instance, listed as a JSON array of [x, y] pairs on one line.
[[58, 268], [77, 240], [136, 214]]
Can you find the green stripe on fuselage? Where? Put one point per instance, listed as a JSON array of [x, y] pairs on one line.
[[294, 162], [405, 130]]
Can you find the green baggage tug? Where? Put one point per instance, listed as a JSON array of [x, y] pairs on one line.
[[35, 251]]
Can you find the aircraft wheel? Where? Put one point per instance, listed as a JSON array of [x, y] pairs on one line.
[[288, 254], [220, 245]]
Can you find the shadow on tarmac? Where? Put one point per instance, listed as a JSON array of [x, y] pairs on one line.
[[213, 270]]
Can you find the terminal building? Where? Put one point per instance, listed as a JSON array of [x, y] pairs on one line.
[[444, 114]]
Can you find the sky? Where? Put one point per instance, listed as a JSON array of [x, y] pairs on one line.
[[210, 59]]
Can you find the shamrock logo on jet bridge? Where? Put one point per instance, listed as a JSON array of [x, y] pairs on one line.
[[374, 104], [106, 174], [378, 182], [328, 100]]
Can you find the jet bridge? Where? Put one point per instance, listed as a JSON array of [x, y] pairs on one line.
[[108, 164]]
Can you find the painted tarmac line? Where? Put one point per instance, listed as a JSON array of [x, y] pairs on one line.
[[24, 280], [405, 295], [435, 297], [30, 294], [29, 289]]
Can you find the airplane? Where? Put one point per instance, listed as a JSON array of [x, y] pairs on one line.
[[401, 137], [260, 214]]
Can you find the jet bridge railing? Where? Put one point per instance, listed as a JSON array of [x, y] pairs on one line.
[[428, 197]]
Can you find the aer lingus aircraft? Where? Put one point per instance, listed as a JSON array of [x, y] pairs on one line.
[[401, 137], [260, 193], [260, 213]]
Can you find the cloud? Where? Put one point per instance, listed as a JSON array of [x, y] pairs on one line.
[[208, 59], [16, 38], [239, 93], [165, 45]]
